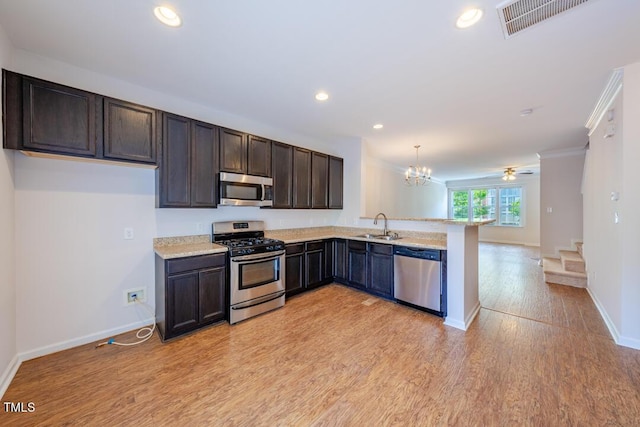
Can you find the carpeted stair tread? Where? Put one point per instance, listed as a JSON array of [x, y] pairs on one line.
[[555, 273], [572, 261]]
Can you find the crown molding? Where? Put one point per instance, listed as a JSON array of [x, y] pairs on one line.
[[562, 152], [609, 94]]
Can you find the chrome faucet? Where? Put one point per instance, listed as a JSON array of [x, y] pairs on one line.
[[375, 222]]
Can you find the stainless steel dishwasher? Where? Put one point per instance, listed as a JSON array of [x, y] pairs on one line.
[[420, 277]]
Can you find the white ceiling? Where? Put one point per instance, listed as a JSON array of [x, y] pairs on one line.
[[458, 93]]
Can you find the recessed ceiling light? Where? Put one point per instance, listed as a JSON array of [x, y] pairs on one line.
[[167, 16], [468, 18], [378, 126], [322, 96]]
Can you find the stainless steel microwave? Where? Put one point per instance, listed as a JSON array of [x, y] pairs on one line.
[[245, 190]]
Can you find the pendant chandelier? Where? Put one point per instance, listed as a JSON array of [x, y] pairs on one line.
[[417, 175], [509, 174]]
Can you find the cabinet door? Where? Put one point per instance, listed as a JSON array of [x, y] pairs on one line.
[[204, 165], [212, 296], [281, 169], [357, 258], [182, 304], [129, 131], [319, 180], [335, 182], [294, 273], [328, 260], [314, 259], [380, 266], [175, 172], [259, 156], [340, 266], [233, 151], [58, 119], [301, 178]]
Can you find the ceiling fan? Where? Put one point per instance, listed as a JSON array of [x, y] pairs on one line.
[[510, 173]]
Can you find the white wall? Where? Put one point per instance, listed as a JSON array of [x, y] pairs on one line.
[[561, 190], [529, 233], [70, 218], [630, 274], [602, 248], [8, 349], [386, 191], [611, 249]]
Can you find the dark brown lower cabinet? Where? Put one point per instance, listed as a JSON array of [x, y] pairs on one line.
[[306, 266], [367, 266], [314, 260], [190, 293], [294, 268], [380, 269], [328, 260], [357, 263], [340, 267], [370, 267]]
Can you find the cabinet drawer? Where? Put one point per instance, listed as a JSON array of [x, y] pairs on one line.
[[295, 248], [357, 245], [180, 265], [381, 248], [316, 245]]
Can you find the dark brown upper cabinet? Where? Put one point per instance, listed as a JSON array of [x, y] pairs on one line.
[[129, 131], [319, 180], [244, 154], [204, 165], [188, 173], [233, 151], [57, 119], [301, 178], [258, 156], [46, 117], [282, 169], [336, 185]]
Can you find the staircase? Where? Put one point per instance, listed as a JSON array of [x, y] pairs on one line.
[[568, 270]]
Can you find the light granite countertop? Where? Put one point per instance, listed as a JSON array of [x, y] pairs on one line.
[[185, 246], [407, 238], [440, 220]]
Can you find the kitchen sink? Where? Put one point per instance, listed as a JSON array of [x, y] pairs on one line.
[[379, 236], [390, 237]]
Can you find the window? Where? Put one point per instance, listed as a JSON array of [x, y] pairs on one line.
[[476, 204]]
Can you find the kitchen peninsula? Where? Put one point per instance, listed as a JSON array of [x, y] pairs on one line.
[[458, 238]]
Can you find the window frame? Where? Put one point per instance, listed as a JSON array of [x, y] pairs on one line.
[[498, 206]]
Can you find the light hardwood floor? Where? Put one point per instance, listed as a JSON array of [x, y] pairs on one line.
[[536, 355]]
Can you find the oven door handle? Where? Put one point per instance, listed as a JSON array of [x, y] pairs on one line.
[[261, 301], [252, 259]]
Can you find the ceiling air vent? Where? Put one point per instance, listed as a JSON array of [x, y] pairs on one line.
[[518, 15]]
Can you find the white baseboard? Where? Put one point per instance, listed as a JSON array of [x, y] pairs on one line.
[[629, 342], [470, 318], [455, 323], [605, 316], [65, 345], [8, 374], [459, 324], [619, 339]]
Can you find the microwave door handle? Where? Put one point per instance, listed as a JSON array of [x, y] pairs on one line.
[[263, 192]]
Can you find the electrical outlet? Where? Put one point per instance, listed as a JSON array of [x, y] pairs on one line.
[[131, 295], [128, 233], [199, 227]]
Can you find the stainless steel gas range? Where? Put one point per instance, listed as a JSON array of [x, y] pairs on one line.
[[256, 268]]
